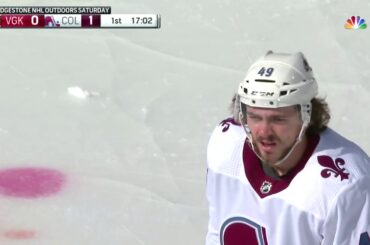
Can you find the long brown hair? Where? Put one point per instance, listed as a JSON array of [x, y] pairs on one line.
[[320, 116]]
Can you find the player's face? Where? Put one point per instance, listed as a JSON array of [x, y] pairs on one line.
[[274, 131]]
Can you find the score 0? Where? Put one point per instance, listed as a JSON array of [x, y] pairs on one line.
[[27, 21], [90, 20], [36, 21]]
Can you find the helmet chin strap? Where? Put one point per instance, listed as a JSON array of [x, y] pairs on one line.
[[247, 130]]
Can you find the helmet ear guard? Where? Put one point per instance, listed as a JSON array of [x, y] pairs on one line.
[[243, 121], [306, 110], [243, 114]]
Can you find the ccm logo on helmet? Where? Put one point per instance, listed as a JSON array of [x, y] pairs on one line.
[[260, 93]]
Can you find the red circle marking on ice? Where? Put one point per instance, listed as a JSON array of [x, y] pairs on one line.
[[20, 234], [30, 182]]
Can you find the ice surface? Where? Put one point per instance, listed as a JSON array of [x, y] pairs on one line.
[[134, 156]]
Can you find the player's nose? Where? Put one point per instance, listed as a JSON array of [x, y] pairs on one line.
[[264, 129]]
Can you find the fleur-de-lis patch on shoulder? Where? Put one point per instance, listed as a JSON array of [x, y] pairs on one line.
[[226, 124], [332, 167]]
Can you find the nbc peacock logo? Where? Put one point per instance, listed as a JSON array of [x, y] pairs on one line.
[[355, 23]]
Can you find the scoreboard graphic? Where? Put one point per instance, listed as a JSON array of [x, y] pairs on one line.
[[73, 17]]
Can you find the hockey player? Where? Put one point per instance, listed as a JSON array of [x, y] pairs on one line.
[[276, 173]]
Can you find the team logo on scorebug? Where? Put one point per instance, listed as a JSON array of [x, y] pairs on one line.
[[355, 22], [50, 21], [265, 187]]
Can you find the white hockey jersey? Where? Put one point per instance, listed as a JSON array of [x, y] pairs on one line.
[[324, 200]]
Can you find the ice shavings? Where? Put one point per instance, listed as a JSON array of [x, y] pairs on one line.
[[80, 93]]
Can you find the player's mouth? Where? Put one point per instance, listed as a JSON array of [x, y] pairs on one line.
[[267, 146]]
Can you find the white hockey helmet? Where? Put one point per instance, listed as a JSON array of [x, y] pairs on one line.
[[280, 80]]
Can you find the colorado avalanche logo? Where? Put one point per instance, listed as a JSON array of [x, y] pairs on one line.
[[265, 187], [332, 167]]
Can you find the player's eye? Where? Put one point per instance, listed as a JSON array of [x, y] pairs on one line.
[[279, 119], [253, 117]]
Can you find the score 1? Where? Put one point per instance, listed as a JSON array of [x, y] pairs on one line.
[[90, 20]]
